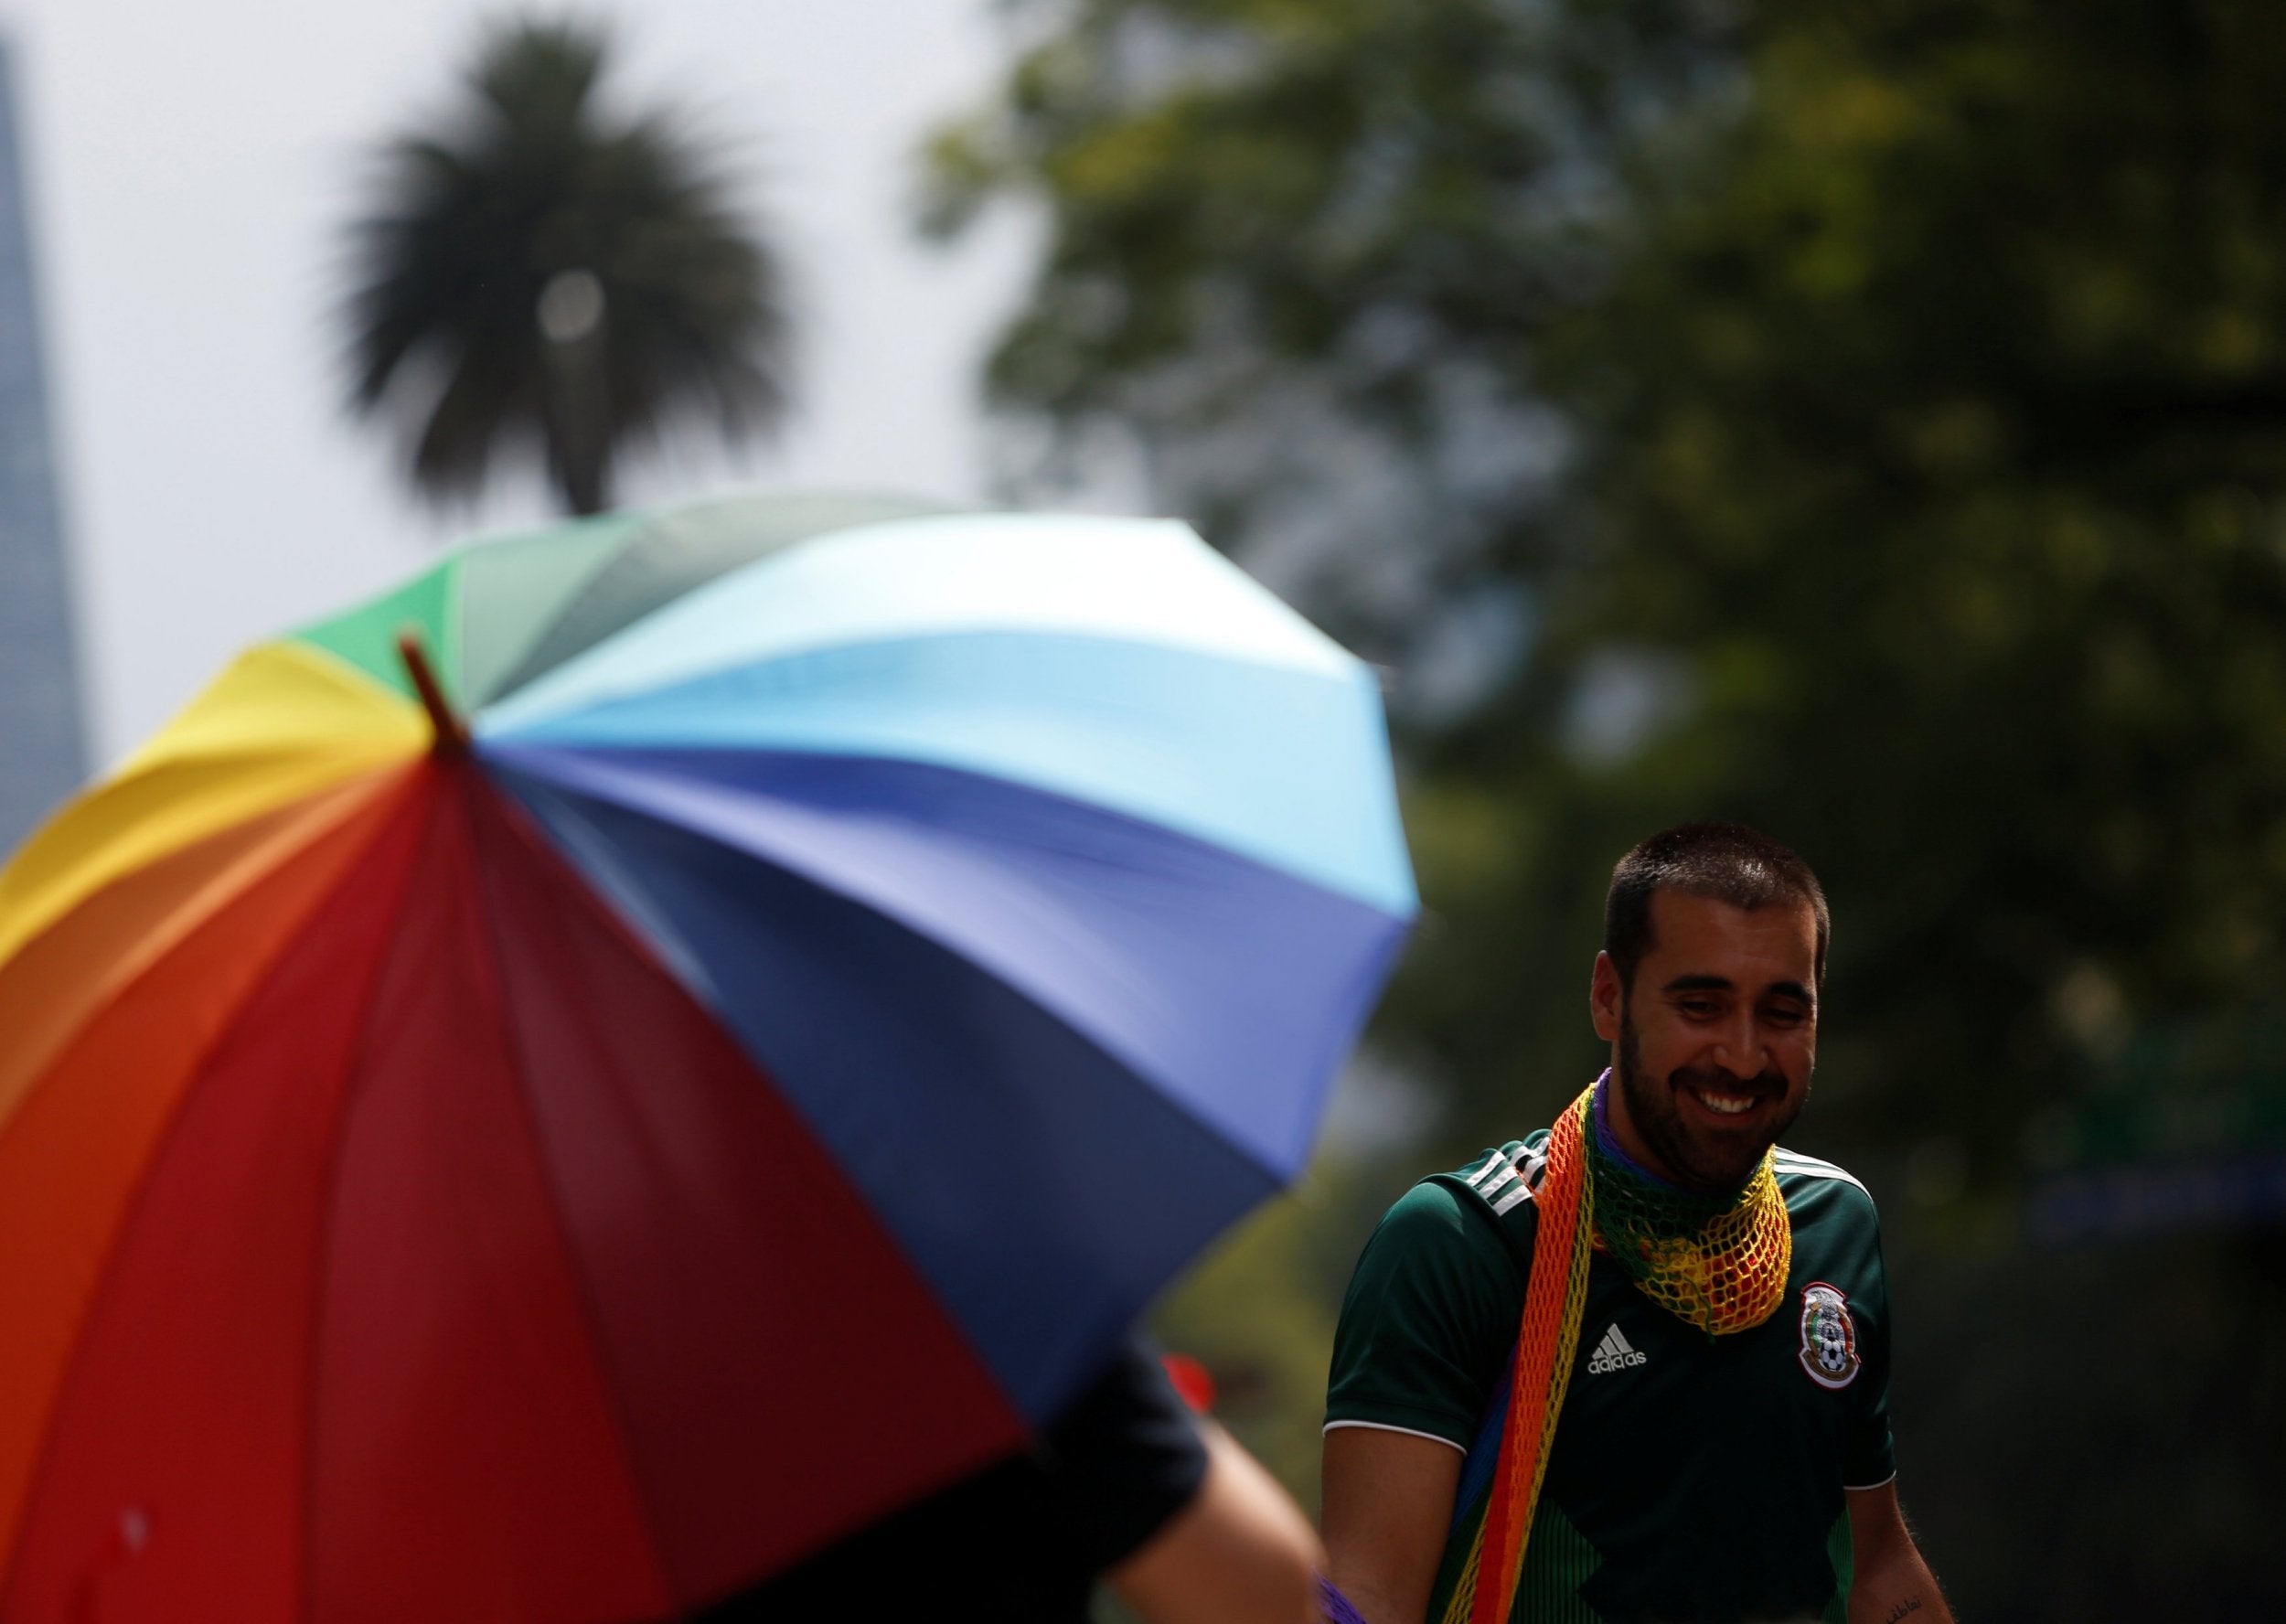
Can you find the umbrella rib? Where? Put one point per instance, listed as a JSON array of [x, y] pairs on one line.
[[215, 897], [622, 1426], [325, 1248], [932, 933]]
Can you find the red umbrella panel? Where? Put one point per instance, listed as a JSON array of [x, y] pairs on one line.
[[664, 1331]]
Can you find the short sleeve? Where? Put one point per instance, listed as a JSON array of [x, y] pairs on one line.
[[1429, 1318], [1122, 1459], [1869, 1453]]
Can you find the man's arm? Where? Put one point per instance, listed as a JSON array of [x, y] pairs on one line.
[[1240, 1550], [1388, 1504], [1892, 1584]]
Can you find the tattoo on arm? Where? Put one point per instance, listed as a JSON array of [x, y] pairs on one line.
[[1911, 1604]]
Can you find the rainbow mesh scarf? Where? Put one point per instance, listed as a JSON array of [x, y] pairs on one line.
[[1718, 1262]]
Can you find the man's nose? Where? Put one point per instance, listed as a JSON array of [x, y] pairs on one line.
[[1738, 1045]]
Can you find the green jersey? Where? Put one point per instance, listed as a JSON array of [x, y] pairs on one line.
[[1690, 1477]]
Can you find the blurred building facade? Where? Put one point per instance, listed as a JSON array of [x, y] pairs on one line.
[[42, 749]]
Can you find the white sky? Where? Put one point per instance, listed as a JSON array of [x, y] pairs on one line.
[[190, 166]]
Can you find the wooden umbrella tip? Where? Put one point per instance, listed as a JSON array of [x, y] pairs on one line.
[[452, 733]]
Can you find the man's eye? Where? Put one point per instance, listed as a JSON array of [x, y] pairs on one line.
[[1700, 1007], [1786, 1016]]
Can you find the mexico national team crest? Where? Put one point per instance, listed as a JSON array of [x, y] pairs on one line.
[[1829, 1336]]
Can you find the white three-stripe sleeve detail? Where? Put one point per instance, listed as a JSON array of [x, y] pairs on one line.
[[1500, 1158], [1789, 1161]]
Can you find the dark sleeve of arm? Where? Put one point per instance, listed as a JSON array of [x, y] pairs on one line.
[[1122, 1459], [1428, 1320], [1869, 1456]]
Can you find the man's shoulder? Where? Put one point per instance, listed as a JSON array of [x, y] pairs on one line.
[[1823, 1193], [1796, 1172], [1483, 1207], [1501, 1180]]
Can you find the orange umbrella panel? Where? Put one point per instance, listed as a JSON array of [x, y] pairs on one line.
[[390, 1332]]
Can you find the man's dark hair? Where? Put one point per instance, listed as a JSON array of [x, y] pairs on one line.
[[1727, 861]]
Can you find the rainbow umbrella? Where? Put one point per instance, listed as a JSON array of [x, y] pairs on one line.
[[567, 1163]]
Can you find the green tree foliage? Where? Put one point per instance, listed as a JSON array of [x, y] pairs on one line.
[[540, 274], [1934, 416], [1300, 248], [1878, 408]]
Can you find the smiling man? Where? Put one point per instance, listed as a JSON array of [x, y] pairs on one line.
[[1636, 1367]]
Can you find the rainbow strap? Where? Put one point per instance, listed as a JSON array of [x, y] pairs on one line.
[[1555, 1298]]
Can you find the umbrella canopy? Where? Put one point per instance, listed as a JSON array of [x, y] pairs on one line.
[[567, 1165]]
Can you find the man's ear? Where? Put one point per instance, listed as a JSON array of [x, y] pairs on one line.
[[1605, 995]]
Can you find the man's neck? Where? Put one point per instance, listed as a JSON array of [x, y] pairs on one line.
[[1607, 1138]]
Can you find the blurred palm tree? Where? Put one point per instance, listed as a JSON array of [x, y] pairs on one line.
[[544, 276]]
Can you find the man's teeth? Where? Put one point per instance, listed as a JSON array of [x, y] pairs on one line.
[[1727, 1104]]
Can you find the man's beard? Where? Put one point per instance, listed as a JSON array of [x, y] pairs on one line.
[[1697, 1160]]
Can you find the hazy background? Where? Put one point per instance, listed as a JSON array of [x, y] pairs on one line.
[[191, 169]]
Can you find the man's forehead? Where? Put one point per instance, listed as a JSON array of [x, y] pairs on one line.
[[1777, 941]]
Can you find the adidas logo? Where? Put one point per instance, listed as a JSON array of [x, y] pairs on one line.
[[1612, 1353]]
